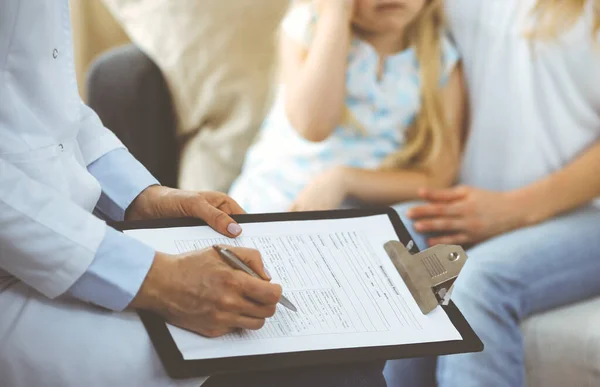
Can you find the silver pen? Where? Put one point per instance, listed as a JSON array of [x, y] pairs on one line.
[[237, 263]]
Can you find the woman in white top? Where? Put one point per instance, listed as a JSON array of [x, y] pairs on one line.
[[530, 175]]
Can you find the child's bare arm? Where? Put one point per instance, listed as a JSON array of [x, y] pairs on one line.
[[390, 187], [315, 79]]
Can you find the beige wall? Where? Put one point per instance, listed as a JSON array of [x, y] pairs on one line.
[[94, 31]]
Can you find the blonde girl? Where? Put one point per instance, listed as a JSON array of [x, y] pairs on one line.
[[370, 109], [528, 203]]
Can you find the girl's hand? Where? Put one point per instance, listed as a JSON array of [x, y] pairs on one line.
[[326, 192], [343, 7], [466, 215]]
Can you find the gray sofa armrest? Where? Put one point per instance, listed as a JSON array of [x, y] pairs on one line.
[[129, 93]]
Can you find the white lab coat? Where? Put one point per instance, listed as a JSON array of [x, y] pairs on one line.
[[48, 236]]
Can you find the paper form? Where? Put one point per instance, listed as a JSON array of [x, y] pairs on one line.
[[337, 273]]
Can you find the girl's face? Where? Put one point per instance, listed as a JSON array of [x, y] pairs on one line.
[[382, 16]]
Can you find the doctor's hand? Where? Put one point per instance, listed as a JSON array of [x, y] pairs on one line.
[[163, 202], [198, 291]]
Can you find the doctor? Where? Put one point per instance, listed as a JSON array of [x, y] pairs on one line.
[[58, 164]]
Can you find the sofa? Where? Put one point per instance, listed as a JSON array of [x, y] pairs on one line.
[[129, 93]]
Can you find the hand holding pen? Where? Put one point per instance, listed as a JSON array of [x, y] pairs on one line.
[[201, 292], [232, 259]]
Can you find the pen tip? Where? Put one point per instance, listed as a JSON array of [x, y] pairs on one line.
[[288, 304]]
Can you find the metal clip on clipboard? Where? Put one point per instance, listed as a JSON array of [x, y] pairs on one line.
[[428, 274]]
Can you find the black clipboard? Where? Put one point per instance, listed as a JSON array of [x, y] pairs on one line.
[[179, 368]]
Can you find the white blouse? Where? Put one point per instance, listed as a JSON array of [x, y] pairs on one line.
[[535, 105]]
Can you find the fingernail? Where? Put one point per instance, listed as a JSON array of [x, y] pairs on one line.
[[234, 229], [267, 273]]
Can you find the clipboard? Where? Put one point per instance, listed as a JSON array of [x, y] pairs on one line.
[[179, 368]]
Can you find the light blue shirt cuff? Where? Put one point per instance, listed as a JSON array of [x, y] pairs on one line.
[[116, 273], [122, 179]]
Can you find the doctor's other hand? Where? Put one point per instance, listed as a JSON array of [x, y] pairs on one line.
[[164, 202], [199, 292]]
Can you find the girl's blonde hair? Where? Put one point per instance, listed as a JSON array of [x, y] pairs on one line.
[[553, 17], [425, 137]]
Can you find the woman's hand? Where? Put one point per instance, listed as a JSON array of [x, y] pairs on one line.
[[466, 215], [163, 202], [326, 192]]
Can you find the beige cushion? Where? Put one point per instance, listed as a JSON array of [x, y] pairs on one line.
[[218, 58], [563, 346]]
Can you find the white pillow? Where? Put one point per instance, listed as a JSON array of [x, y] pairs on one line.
[[218, 58]]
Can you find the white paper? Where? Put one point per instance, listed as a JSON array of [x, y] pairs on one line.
[[337, 273]]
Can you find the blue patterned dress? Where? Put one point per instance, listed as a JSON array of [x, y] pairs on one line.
[[281, 163]]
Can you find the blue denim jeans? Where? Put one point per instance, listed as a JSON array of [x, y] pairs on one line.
[[505, 280]]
